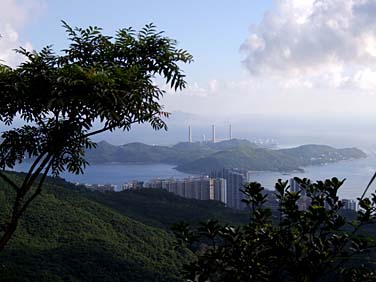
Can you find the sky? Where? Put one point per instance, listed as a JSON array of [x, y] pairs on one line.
[[298, 58]]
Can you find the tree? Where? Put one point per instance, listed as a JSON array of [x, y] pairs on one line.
[[293, 244], [60, 97]]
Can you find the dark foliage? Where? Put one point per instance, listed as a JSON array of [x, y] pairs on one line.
[[59, 97], [66, 236], [163, 209], [312, 244]]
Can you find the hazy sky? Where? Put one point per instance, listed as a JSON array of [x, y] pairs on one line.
[[293, 57]]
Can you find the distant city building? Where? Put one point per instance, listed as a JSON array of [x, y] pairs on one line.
[[304, 202], [295, 186], [200, 188], [349, 204], [213, 133], [268, 143], [235, 179], [101, 187], [189, 134], [135, 184], [272, 200], [220, 189]]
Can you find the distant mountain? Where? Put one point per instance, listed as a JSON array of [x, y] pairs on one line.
[[242, 157], [203, 157], [258, 159], [319, 154], [139, 153]]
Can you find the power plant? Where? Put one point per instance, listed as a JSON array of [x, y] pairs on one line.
[[189, 134], [213, 135]]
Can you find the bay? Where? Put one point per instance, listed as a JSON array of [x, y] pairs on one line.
[[118, 174], [357, 174]]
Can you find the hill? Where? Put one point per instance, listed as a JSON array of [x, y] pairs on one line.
[[68, 237], [243, 158], [72, 234], [162, 209], [320, 154], [258, 159], [203, 157], [139, 153]]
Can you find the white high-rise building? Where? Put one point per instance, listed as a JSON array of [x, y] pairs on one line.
[[213, 133]]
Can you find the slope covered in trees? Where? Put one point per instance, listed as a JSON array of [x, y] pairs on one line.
[[64, 236], [259, 159], [72, 234], [162, 209]]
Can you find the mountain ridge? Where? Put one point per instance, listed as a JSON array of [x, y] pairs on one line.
[[204, 157]]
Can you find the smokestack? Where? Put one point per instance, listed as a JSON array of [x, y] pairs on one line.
[[213, 133], [189, 134], [230, 132]]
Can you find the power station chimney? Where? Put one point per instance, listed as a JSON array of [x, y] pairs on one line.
[[213, 133], [189, 134], [230, 132]]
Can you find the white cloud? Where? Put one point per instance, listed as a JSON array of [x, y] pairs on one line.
[[365, 79], [321, 43], [210, 88], [307, 58], [13, 16]]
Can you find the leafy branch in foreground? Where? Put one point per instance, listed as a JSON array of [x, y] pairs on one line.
[[97, 79], [313, 244]]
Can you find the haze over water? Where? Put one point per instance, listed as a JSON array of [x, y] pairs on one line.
[[357, 174]]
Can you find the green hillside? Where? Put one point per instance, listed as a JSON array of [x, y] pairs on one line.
[[160, 208], [143, 154], [318, 154], [243, 158], [65, 236], [72, 234], [258, 159], [204, 157]]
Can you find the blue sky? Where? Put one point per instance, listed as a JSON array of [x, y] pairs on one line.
[[212, 31], [283, 57]]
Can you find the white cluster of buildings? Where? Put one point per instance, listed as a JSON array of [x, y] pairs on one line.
[[101, 187], [223, 186], [304, 201], [200, 188]]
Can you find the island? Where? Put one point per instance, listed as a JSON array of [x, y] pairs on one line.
[[204, 157]]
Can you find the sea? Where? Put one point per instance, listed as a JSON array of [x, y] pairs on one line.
[[356, 172]]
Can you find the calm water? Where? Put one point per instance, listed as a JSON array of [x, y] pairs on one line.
[[356, 172], [118, 173]]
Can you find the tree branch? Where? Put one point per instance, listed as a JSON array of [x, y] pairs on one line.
[[30, 172], [105, 128], [17, 212], [37, 191], [27, 184]]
